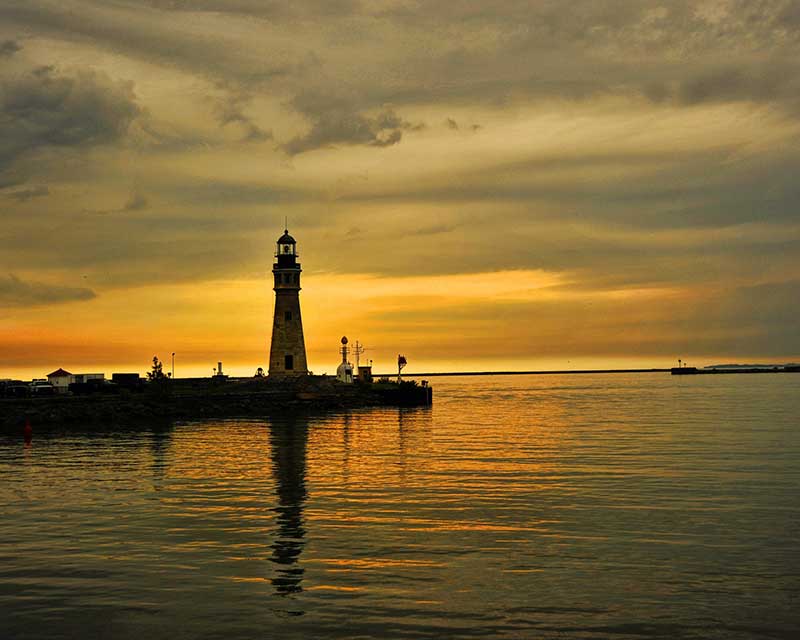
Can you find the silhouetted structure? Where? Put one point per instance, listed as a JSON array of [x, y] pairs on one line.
[[344, 372], [287, 355]]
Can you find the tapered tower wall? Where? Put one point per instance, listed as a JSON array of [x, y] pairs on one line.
[[287, 354], [287, 336]]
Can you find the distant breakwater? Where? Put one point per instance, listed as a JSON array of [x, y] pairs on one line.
[[520, 373], [673, 371], [693, 371], [197, 399]]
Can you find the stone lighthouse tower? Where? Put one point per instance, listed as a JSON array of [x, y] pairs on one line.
[[287, 354]]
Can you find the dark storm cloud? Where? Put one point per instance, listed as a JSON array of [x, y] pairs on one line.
[[588, 263], [336, 122], [23, 195], [461, 51], [679, 23], [46, 108], [144, 33], [8, 48], [775, 81], [136, 202], [646, 189], [769, 306], [141, 242], [273, 9], [15, 292], [231, 112], [789, 15], [433, 229]]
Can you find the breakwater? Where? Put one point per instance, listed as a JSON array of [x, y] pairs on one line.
[[693, 371], [197, 399], [544, 372]]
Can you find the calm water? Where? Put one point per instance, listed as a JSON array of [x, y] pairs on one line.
[[616, 506]]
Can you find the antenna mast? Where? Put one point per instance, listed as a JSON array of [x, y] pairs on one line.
[[358, 349]]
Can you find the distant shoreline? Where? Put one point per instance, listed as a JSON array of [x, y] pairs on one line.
[[519, 373]]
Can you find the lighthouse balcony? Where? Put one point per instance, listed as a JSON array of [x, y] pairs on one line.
[[286, 262]]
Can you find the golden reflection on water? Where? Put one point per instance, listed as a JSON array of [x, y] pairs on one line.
[[359, 463], [512, 508]]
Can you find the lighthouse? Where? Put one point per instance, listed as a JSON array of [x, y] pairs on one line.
[[287, 354]]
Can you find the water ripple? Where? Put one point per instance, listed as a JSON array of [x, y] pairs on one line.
[[536, 506]]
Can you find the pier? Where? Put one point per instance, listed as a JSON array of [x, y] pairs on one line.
[[201, 398]]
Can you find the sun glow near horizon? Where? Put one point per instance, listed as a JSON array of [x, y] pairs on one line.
[[491, 321]]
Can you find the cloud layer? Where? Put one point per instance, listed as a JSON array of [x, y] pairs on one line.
[[619, 147]]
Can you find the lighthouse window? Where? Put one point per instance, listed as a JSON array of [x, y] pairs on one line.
[[286, 248], [285, 278], [287, 316], [288, 362], [296, 278]]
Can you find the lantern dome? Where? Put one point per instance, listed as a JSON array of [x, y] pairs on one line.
[[286, 238]]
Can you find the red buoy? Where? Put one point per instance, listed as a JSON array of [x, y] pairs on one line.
[[27, 432]]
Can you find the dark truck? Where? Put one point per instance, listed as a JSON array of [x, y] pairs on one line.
[[128, 381]]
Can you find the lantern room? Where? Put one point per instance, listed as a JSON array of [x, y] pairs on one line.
[[286, 253]]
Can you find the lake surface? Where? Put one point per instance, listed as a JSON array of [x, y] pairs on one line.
[[585, 506]]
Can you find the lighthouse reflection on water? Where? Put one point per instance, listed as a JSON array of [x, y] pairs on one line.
[[333, 450], [288, 441]]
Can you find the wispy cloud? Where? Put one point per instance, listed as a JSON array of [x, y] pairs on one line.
[[15, 292]]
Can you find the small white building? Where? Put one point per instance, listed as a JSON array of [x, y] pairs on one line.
[[60, 379], [344, 372]]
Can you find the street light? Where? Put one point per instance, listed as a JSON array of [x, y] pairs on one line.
[[173, 365]]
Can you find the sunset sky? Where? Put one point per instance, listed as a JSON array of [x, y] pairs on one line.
[[477, 185]]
